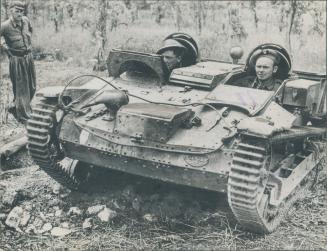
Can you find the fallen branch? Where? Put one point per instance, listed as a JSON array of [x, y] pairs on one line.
[[11, 148]]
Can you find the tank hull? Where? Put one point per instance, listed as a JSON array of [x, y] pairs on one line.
[[190, 176]]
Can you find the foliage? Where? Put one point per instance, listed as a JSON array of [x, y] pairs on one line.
[[221, 24]]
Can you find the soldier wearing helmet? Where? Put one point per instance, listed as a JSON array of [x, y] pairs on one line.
[[266, 63], [172, 52]]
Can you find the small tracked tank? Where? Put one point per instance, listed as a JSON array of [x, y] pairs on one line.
[[200, 126]]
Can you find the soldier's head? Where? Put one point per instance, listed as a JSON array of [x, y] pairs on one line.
[[172, 52], [266, 65], [17, 9]]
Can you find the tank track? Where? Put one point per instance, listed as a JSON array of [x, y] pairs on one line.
[[248, 188], [44, 147]]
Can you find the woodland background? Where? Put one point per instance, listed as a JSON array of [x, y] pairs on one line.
[[83, 30]]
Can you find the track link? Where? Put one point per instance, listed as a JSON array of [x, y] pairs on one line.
[[249, 187], [245, 184], [44, 147]]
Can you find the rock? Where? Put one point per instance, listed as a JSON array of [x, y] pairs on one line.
[[49, 215], [64, 225], [58, 213], [30, 229], [57, 188], [9, 198], [74, 211], [149, 217], [25, 219], [42, 216], [60, 232], [38, 222], [45, 228], [87, 224], [95, 209], [14, 218], [107, 214], [3, 217]]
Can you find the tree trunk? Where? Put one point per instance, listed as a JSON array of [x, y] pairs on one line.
[[101, 32], [293, 8], [178, 17], [197, 14], [253, 4]]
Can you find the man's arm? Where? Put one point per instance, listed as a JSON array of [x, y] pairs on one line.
[[3, 45]]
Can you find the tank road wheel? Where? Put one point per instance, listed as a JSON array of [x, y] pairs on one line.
[[45, 149], [249, 187]]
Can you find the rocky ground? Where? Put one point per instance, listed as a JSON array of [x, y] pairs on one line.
[[122, 211]]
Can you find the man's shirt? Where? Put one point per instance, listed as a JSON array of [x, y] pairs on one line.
[[17, 36], [270, 85]]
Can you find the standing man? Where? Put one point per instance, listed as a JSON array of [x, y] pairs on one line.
[[17, 31], [266, 65]]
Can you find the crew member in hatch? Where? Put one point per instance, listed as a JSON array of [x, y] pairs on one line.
[[172, 52], [266, 66]]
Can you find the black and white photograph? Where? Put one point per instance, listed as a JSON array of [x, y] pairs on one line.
[[163, 125]]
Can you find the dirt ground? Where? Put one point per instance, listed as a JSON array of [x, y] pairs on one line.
[[122, 211]]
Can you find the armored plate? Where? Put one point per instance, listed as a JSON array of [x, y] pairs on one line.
[[252, 100], [204, 74]]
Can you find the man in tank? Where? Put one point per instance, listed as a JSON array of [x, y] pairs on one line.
[[266, 66], [172, 52]]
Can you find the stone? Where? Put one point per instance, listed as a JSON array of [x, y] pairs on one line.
[[25, 218], [149, 217], [60, 232], [14, 218], [107, 214], [58, 213], [30, 229], [45, 228], [95, 209], [42, 216], [87, 224], [56, 189], [8, 198], [74, 211], [38, 222], [64, 224], [3, 217]]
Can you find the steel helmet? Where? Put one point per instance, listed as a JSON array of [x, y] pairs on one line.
[[170, 44]]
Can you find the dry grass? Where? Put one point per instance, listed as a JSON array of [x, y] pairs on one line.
[[215, 39]]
